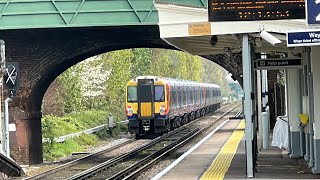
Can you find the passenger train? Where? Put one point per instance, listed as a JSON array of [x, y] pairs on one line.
[[155, 105]]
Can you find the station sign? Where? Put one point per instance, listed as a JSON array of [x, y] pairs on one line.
[[303, 38], [251, 10], [199, 29], [313, 12], [277, 63]]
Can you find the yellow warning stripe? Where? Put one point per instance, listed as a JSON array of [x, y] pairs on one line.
[[222, 162]]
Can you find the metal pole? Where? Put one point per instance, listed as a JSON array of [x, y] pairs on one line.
[[311, 108], [259, 92], [2, 71], [287, 110], [264, 102], [6, 127], [266, 90], [3, 55], [275, 99], [265, 130], [247, 87]]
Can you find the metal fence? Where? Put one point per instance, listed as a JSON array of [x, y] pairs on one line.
[[87, 131]]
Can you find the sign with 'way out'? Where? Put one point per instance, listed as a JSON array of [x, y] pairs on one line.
[[303, 38]]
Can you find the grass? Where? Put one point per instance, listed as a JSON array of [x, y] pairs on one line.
[[53, 151], [53, 127]]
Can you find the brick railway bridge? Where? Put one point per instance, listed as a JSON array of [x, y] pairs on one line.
[[46, 37]]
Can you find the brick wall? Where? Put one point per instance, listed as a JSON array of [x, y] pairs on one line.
[[43, 54]]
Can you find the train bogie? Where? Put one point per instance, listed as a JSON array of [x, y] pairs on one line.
[[156, 105]]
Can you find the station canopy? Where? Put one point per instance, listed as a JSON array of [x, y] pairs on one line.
[[187, 28]]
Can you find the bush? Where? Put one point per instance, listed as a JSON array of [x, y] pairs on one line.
[[52, 151], [53, 127]]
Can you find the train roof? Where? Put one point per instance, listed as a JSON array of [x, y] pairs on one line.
[[174, 81]]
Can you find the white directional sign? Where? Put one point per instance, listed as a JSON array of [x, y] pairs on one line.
[[313, 12], [11, 75]]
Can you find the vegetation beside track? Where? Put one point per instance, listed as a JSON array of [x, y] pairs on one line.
[[82, 96], [53, 126]]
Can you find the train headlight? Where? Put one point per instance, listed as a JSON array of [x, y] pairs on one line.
[[162, 110], [130, 111]]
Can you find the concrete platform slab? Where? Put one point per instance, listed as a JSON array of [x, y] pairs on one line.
[[271, 164]]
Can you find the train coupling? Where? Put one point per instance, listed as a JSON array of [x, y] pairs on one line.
[[146, 125]]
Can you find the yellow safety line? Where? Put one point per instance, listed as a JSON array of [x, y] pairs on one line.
[[222, 162]]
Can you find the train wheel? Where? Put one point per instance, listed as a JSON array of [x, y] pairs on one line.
[[138, 136]]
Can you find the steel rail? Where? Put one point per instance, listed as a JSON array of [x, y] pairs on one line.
[[76, 161], [100, 168], [111, 162], [83, 159], [134, 170]]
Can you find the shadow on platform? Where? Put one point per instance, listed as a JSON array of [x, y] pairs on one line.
[[273, 163]]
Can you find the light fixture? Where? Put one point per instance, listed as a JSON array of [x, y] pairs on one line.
[[269, 38]]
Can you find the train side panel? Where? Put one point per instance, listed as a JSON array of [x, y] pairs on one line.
[[175, 102]]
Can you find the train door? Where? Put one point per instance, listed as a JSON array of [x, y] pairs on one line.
[[146, 98]]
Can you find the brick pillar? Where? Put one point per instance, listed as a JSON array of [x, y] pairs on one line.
[[26, 141]]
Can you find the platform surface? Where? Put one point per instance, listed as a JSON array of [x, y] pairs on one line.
[[271, 164]]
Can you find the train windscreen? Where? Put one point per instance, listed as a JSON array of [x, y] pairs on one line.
[[132, 94], [145, 93], [159, 93]]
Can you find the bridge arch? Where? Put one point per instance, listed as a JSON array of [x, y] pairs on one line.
[[43, 54]]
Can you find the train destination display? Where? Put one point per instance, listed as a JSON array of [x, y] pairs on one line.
[[244, 10]]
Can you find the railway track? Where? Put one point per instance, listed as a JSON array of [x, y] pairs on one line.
[[78, 165], [129, 165]]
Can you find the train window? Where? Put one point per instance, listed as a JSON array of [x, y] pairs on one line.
[[179, 95], [159, 93], [172, 99], [191, 95], [146, 93], [188, 91], [132, 94], [186, 95]]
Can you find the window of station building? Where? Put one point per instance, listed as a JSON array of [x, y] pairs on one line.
[[132, 94], [159, 93]]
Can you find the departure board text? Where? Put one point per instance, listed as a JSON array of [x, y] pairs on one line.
[[244, 10]]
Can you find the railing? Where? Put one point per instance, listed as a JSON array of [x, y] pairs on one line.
[[87, 131]]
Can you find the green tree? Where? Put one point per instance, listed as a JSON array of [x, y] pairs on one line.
[[161, 64], [118, 62], [141, 62], [71, 89]]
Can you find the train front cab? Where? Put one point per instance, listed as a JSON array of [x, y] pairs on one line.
[[151, 107]]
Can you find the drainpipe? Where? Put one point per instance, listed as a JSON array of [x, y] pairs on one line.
[[311, 109]]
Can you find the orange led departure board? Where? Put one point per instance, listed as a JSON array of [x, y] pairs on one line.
[[250, 10]]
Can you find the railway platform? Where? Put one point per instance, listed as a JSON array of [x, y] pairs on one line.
[[9, 168], [222, 156]]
